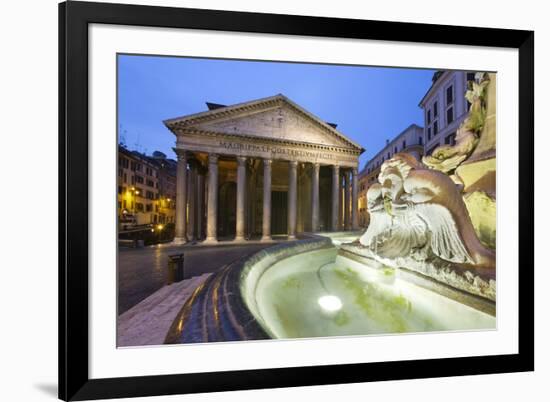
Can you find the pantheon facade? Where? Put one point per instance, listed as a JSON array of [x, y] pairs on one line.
[[261, 169]]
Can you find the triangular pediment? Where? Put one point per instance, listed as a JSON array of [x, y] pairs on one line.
[[275, 118]]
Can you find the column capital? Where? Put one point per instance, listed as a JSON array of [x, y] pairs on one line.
[[335, 169], [213, 158], [268, 162], [182, 155], [241, 160], [293, 164], [354, 171], [316, 165]]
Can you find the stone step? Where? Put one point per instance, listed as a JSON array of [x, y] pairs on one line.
[[167, 296], [148, 322]]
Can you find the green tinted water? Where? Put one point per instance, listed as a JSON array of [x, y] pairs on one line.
[[321, 294]]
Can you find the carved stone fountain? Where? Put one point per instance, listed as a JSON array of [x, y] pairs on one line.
[[435, 219]]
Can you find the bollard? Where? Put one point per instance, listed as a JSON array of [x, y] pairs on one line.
[[175, 268]]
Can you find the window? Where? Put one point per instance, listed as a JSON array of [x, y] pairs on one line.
[[150, 183], [123, 162], [148, 207], [119, 172], [395, 150], [404, 144], [449, 95], [429, 133], [435, 110], [149, 171], [388, 155], [420, 140], [429, 118], [139, 207], [124, 178], [120, 189], [139, 179], [435, 128], [470, 76], [450, 115]]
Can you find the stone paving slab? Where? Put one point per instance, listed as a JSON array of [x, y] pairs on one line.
[[148, 322]]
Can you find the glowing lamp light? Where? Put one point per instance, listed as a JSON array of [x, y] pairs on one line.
[[330, 303], [160, 227]]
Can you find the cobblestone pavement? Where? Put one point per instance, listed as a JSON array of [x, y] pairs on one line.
[[142, 272]]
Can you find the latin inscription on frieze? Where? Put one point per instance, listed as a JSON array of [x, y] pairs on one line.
[[282, 152]]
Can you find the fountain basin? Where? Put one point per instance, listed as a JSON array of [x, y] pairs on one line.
[[309, 289]]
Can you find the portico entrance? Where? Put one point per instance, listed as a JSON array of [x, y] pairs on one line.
[[262, 168]]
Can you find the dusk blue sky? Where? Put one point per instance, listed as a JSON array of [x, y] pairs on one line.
[[369, 104]]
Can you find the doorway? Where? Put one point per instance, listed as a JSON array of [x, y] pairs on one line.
[[279, 210], [227, 209]]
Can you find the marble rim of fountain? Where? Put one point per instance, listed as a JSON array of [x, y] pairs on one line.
[[224, 307], [453, 282]]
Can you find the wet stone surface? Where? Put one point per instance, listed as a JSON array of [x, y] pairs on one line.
[[141, 272]]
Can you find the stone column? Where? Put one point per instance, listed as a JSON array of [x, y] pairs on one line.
[[347, 222], [241, 191], [335, 197], [315, 198], [191, 195], [181, 198], [354, 200], [212, 207], [266, 224], [200, 202], [292, 198]]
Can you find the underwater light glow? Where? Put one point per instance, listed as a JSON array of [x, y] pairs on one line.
[[330, 303]]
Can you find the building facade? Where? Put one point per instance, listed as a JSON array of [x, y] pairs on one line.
[[146, 189], [445, 107], [262, 168], [410, 140]]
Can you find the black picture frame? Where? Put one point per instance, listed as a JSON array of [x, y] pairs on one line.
[[74, 18]]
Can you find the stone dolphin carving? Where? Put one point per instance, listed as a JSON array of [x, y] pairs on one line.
[[417, 212]]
